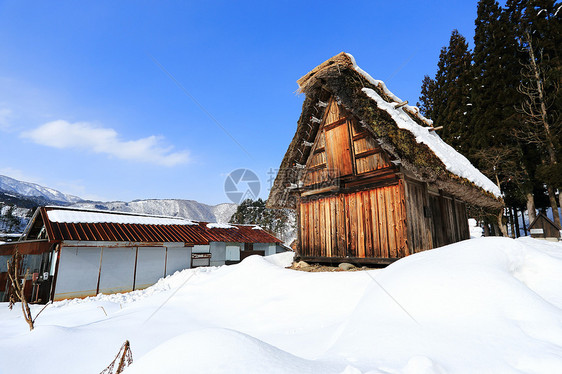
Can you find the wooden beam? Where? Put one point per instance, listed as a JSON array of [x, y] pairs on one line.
[[368, 153], [351, 260], [400, 105], [320, 190]]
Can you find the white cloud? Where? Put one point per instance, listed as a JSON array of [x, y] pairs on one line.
[[19, 175], [85, 136], [5, 116], [77, 188]]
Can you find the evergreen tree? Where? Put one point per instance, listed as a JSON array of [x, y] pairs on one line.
[[446, 99], [457, 84], [427, 98], [517, 49], [277, 221], [494, 90]]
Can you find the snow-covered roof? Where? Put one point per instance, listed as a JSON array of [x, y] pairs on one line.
[[424, 154], [453, 160], [90, 216], [215, 225], [71, 224]]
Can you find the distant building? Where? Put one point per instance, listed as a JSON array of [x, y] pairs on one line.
[[543, 228], [78, 253], [370, 179], [8, 237]]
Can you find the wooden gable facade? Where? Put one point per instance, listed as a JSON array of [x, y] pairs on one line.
[[356, 205], [359, 198]]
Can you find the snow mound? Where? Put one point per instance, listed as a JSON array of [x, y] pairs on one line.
[[487, 305], [459, 302], [283, 260], [222, 351], [475, 230]]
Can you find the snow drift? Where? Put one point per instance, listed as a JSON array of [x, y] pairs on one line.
[[488, 305]]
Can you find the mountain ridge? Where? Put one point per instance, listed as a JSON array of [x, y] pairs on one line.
[[21, 188], [19, 198]]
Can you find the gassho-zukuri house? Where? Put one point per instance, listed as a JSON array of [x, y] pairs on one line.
[[369, 177], [78, 253]]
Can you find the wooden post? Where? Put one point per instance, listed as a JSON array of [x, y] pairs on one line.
[[511, 222], [524, 224], [517, 233]]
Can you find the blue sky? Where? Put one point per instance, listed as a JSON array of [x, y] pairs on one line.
[[86, 107]]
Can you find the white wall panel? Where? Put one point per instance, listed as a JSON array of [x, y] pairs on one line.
[[272, 249], [4, 263], [117, 270], [218, 253], [78, 272], [200, 249], [151, 262], [178, 259], [233, 253]]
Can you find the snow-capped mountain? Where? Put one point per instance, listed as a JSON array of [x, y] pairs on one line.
[[189, 209], [18, 199], [12, 186]]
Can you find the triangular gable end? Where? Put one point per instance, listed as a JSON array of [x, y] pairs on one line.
[[36, 228], [543, 217], [342, 148]]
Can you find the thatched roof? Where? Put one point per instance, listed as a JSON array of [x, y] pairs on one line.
[[401, 131]]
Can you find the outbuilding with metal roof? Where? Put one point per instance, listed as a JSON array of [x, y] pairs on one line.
[[78, 253]]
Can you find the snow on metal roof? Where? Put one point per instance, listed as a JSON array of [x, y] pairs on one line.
[[83, 216], [215, 225], [92, 225]]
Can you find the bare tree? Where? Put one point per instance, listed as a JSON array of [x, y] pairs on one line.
[[542, 125], [500, 164], [18, 286], [17, 289]]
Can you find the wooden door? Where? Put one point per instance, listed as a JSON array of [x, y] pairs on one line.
[[338, 150]]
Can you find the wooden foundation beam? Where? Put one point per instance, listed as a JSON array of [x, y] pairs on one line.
[[352, 260]]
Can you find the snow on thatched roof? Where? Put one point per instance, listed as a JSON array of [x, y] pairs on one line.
[[420, 150]]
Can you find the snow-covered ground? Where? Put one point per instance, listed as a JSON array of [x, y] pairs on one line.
[[488, 305]]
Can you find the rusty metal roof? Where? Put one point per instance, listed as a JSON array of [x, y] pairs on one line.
[[237, 234], [191, 233], [31, 247]]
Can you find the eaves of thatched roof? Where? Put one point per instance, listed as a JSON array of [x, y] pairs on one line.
[[401, 131]]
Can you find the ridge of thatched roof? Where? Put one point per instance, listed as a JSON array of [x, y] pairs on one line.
[[401, 131]]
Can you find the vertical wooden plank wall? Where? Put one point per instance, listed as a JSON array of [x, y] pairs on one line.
[[450, 221], [439, 236], [462, 220], [419, 226], [362, 224]]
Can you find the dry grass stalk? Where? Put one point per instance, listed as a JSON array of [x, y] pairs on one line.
[[123, 359]]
